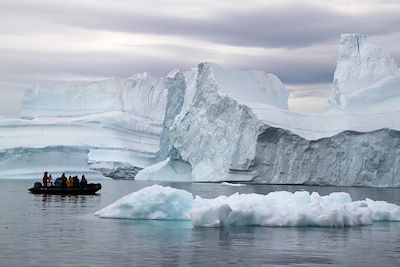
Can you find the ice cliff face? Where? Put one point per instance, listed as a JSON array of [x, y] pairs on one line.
[[363, 77], [141, 96], [216, 131], [122, 123], [20, 162], [346, 159]]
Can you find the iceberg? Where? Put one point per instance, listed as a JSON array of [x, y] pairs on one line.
[[218, 124], [276, 209], [122, 124], [226, 136], [219, 130], [153, 202], [363, 79], [30, 163]]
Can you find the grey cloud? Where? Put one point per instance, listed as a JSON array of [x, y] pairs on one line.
[[23, 66], [300, 24], [27, 66]]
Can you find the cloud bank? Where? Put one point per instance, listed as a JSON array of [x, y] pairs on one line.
[[46, 41]]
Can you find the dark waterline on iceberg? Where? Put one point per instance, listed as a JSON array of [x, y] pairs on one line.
[[39, 230]]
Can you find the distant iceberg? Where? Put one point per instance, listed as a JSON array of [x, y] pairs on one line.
[[120, 124], [22, 162], [279, 208], [366, 79]]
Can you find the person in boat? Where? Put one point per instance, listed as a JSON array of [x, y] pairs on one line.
[[70, 183], [83, 181], [58, 182], [49, 181], [75, 182], [44, 180], [63, 180]]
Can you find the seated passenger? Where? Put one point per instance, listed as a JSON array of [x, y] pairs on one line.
[[83, 181], [49, 181], [58, 182], [63, 180], [75, 182], [44, 180], [70, 183]]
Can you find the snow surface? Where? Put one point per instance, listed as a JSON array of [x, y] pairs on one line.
[[278, 208], [250, 87]]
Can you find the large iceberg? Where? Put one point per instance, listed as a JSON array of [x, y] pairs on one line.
[[279, 208], [122, 124], [226, 136], [213, 123]]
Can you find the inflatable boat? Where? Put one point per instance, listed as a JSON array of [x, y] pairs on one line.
[[89, 189]]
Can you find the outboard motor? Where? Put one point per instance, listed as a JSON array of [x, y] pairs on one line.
[[37, 185]]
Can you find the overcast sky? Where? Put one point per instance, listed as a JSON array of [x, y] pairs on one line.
[[45, 41]]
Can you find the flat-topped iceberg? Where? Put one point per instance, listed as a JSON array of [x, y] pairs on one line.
[[279, 208], [121, 124]]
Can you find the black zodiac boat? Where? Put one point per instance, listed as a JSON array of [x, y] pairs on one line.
[[89, 189]]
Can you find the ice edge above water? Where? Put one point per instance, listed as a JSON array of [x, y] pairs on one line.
[[279, 208]]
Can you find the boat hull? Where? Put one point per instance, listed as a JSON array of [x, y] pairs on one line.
[[90, 189]]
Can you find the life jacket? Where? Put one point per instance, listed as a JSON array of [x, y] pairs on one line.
[[70, 183], [49, 182]]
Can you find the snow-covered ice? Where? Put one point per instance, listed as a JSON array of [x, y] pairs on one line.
[[278, 208]]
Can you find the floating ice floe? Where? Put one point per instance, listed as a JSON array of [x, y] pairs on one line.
[[232, 184], [278, 208]]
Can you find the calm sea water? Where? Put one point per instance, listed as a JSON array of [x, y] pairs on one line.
[[38, 230]]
